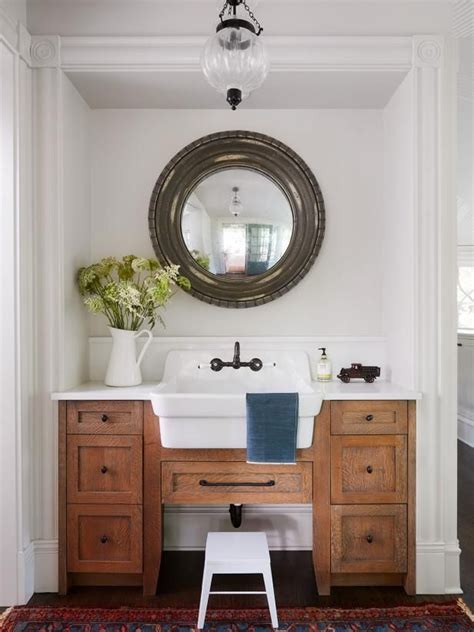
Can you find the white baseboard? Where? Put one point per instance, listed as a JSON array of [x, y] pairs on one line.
[[437, 568], [288, 527], [466, 427], [46, 565], [26, 573]]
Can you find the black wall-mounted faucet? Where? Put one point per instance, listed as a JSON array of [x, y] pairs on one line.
[[255, 364]]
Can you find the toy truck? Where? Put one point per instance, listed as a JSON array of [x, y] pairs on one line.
[[367, 373]]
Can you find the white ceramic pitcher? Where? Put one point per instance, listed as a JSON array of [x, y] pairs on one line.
[[124, 367]]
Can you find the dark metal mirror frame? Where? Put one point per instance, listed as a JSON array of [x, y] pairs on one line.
[[245, 150]]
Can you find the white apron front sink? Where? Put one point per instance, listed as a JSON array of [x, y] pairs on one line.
[[200, 408]]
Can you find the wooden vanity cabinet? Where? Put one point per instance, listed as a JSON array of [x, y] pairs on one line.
[[100, 493], [372, 503], [115, 477]]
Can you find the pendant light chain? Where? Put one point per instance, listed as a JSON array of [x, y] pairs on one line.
[[252, 17], [233, 7]]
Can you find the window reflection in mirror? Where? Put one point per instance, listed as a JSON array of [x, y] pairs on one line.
[[237, 223]]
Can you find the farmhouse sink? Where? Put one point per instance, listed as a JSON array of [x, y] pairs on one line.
[[201, 408]]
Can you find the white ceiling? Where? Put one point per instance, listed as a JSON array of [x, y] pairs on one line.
[[281, 90], [198, 17], [260, 196]]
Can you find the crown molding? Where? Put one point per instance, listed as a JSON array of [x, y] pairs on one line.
[[287, 53]]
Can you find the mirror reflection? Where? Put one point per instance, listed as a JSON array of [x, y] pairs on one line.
[[237, 223]]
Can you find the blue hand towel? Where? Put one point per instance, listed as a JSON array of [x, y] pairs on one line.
[[272, 423]]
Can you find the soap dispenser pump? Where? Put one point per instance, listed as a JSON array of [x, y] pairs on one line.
[[323, 368]]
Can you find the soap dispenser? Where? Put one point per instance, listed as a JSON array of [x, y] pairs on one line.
[[323, 367]]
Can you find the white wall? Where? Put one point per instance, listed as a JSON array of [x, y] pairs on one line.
[[17, 312], [398, 261], [466, 389], [465, 216], [341, 295], [76, 193]]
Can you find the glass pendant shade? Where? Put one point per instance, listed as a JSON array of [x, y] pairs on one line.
[[236, 207], [234, 61]]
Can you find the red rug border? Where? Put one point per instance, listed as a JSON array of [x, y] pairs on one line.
[[38, 614]]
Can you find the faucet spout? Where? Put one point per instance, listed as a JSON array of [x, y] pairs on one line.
[[236, 359]]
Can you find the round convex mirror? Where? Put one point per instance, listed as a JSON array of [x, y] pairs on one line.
[[241, 214], [237, 223]]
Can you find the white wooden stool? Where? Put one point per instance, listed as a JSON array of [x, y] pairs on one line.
[[237, 553]]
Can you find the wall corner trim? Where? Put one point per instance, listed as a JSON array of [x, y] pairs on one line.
[[45, 51], [428, 51]]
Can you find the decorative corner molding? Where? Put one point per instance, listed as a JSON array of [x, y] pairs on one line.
[[45, 51], [24, 43], [427, 51]]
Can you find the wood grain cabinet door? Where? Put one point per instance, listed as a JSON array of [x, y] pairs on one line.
[[369, 417], [104, 469], [369, 539], [105, 417], [369, 469], [217, 483], [104, 539]]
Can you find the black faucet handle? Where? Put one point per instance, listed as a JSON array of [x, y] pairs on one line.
[[255, 364], [237, 351]]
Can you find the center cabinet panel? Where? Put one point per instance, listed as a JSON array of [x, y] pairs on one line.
[[223, 483], [369, 469]]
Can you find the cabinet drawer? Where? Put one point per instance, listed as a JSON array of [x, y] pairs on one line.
[[105, 539], [104, 469], [104, 417], [236, 483], [362, 417], [369, 469], [369, 539]]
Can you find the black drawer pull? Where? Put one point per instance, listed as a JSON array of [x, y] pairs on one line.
[[205, 483], [104, 418], [369, 539], [104, 539], [104, 469], [370, 469], [369, 417]]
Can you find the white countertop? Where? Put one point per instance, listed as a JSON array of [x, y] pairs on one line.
[[335, 390]]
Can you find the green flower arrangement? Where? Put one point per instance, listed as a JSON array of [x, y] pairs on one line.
[[129, 291]]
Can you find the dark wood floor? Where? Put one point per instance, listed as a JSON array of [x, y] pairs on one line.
[[180, 578]]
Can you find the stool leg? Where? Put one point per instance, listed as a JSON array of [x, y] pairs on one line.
[[268, 579], [206, 587]]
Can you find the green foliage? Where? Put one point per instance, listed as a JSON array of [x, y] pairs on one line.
[[201, 258], [129, 291]]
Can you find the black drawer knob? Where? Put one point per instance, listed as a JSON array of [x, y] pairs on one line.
[[104, 469], [104, 539], [370, 418], [370, 469], [104, 418], [369, 539]]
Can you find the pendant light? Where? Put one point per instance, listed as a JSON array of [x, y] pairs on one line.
[[236, 206], [234, 60]]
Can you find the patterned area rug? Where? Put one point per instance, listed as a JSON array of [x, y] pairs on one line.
[[452, 616]]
